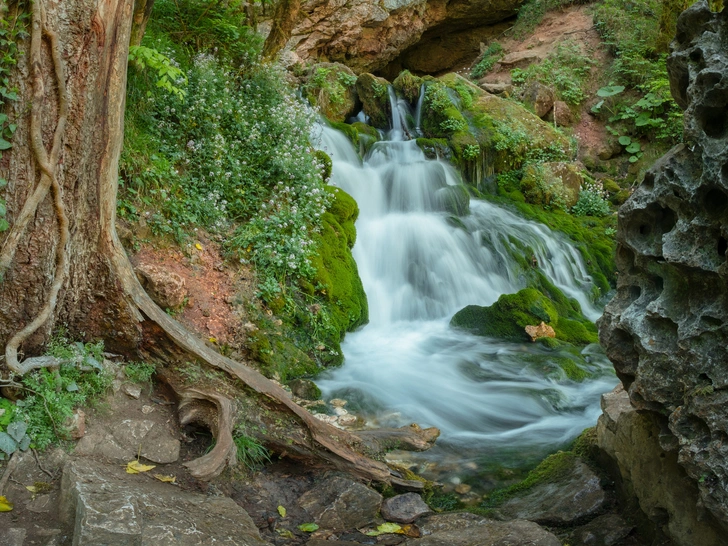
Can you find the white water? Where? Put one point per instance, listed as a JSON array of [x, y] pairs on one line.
[[418, 269]]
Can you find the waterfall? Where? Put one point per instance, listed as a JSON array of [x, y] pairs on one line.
[[419, 266], [418, 111]]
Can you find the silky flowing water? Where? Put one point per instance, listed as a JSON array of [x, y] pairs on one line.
[[420, 265]]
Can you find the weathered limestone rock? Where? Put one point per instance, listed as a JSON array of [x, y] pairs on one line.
[[542, 330], [105, 507], [130, 437], [666, 330], [468, 530], [166, 288], [664, 492], [404, 508], [572, 497], [496, 88], [367, 35], [338, 502]]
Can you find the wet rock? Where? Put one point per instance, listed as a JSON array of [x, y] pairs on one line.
[[338, 502], [166, 288], [338, 402], [666, 329], [650, 476], [542, 330], [453, 199], [606, 530], [568, 498], [374, 97], [470, 530], [305, 388], [404, 508], [104, 507], [538, 97]]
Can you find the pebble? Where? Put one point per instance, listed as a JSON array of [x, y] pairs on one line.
[[462, 489], [340, 411], [146, 410], [331, 419], [338, 403], [134, 391], [347, 420]]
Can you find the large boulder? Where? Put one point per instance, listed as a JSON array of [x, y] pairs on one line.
[[666, 330], [104, 505], [650, 476], [367, 35], [555, 184]]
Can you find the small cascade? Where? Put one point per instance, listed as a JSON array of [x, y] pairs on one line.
[[419, 265], [418, 111]]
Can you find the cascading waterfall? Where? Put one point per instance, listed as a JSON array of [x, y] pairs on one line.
[[419, 267]]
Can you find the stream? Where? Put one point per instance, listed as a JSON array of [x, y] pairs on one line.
[[489, 398]]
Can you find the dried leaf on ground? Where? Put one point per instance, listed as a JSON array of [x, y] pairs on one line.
[[5, 505], [135, 467]]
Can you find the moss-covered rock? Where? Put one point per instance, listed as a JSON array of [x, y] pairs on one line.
[[435, 148], [337, 276], [374, 97], [507, 318], [453, 199], [554, 184], [331, 87], [408, 86]]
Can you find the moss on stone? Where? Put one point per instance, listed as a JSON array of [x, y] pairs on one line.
[[326, 164], [453, 199], [337, 277], [330, 87], [507, 318], [374, 97], [408, 86], [434, 148], [349, 130]]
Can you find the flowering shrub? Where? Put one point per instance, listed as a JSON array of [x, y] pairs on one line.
[[237, 160], [592, 200]]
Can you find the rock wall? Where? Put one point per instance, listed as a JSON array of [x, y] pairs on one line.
[[666, 330], [367, 35]]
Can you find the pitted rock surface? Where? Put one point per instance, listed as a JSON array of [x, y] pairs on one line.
[[666, 330], [367, 35]]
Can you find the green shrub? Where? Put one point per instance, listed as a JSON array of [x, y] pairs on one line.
[[139, 372], [251, 454], [591, 203], [488, 58]]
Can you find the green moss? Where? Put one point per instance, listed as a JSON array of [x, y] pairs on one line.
[[330, 86], [336, 273], [372, 92], [326, 163], [551, 469], [434, 148], [576, 332], [585, 446], [453, 199], [507, 318], [408, 86], [349, 130]]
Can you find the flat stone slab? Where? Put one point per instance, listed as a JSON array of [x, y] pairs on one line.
[[130, 437], [106, 506], [338, 502], [471, 530]]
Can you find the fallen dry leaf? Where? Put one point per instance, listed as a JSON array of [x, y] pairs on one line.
[[135, 467], [5, 505], [165, 479]]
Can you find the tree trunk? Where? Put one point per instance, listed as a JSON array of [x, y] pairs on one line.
[[65, 265], [142, 11], [285, 17]]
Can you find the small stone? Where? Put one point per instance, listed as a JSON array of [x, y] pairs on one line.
[[77, 424], [134, 391], [606, 530], [347, 420], [146, 410], [562, 114], [496, 88], [116, 385], [14, 536], [340, 411], [338, 402], [540, 98], [330, 419], [542, 330], [404, 508], [166, 288], [462, 489], [40, 504], [339, 503]]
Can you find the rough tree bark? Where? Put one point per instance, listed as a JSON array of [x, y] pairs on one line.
[[75, 272], [142, 12], [285, 17]]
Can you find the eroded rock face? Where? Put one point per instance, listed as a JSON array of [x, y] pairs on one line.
[[666, 330], [366, 35]]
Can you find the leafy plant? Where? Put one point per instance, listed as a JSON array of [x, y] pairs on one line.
[[15, 438], [169, 76], [139, 372], [592, 201], [251, 453], [488, 58]]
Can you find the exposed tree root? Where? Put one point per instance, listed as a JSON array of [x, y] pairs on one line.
[[47, 166], [216, 413]]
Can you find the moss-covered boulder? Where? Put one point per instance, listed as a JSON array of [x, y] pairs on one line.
[[553, 185], [408, 86], [374, 97], [435, 148], [508, 317], [453, 199], [331, 87], [336, 273]]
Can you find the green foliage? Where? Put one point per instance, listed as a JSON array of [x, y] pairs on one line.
[[6, 416], [631, 29], [251, 453], [567, 70], [329, 87], [169, 77], [12, 29], [15, 438], [139, 372], [81, 380], [591, 203], [488, 58]]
